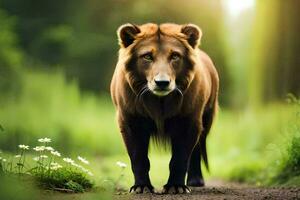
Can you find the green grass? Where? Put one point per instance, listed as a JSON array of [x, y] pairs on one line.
[[276, 161], [65, 179], [13, 188], [288, 170], [49, 106], [45, 167]]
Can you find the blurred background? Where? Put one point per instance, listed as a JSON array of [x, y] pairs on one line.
[[57, 60]]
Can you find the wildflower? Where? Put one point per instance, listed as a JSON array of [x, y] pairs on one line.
[[49, 149], [83, 169], [55, 153], [39, 148], [24, 147], [36, 158], [54, 163], [55, 166], [68, 160], [121, 164], [83, 160], [43, 156], [75, 165], [18, 156], [44, 140]]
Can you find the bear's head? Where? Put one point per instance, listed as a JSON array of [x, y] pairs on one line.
[[159, 59]]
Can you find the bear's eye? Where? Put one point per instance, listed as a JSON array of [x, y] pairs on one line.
[[148, 57], [175, 56]]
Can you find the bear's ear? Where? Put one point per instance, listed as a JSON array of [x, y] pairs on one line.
[[193, 34], [127, 33]]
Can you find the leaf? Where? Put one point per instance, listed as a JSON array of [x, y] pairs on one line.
[[76, 187], [32, 169]]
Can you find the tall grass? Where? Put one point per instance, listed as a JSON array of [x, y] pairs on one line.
[[288, 170], [277, 160], [47, 168], [49, 105]]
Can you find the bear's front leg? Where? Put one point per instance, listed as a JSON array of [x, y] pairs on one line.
[[184, 136], [136, 139]]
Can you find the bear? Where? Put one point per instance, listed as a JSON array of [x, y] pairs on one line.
[[164, 87]]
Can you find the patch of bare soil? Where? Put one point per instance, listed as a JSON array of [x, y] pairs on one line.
[[217, 190]]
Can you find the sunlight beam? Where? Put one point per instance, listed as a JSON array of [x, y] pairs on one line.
[[236, 7]]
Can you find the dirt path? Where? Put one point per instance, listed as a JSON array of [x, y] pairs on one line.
[[217, 190]]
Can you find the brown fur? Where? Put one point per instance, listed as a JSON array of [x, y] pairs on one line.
[[189, 108]]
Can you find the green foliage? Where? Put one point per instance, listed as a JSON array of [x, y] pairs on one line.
[[10, 54], [53, 43], [248, 172], [64, 178], [46, 171], [288, 172], [11, 57], [278, 162], [49, 105]]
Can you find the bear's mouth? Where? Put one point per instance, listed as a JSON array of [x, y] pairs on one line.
[[161, 92]]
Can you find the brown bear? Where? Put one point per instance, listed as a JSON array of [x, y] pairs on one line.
[[165, 87]]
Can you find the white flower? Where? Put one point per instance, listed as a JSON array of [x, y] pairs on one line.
[[68, 160], [83, 160], [121, 164], [36, 158], [55, 153], [49, 149], [39, 148], [43, 156], [44, 140], [84, 169], [18, 156], [24, 147], [74, 164], [54, 163], [55, 166]]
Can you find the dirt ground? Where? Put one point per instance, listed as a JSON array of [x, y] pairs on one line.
[[217, 190]]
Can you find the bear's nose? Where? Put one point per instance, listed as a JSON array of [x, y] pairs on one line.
[[162, 84]]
